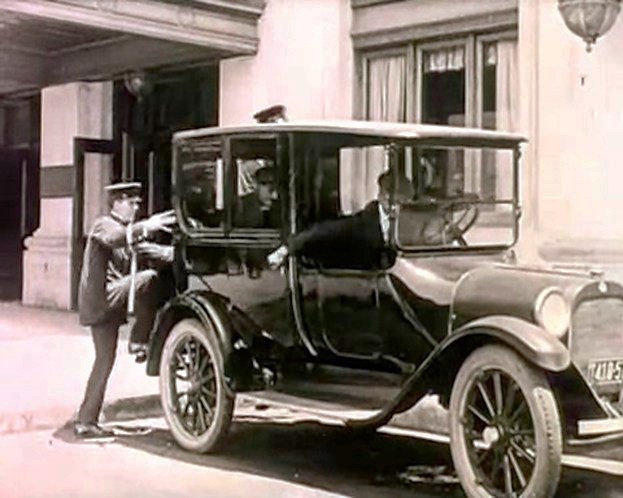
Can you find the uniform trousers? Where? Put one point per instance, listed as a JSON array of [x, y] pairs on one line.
[[105, 336]]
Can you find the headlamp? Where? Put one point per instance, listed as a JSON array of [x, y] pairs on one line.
[[552, 312]]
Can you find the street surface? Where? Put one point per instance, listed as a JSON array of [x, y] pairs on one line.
[[268, 454], [45, 359]]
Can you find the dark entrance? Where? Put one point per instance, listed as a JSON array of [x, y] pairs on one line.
[[19, 189], [141, 145], [144, 123]]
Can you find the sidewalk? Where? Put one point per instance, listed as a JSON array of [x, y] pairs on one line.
[[45, 360]]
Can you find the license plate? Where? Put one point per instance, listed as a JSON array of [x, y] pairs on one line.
[[605, 371]]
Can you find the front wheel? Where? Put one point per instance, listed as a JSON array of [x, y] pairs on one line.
[[505, 429], [197, 407]]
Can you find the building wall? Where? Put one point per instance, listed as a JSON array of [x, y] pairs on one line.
[[67, 111], [411, 12], [572, 105], [304, 61]]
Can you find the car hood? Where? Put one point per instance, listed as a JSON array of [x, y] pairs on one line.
[[435, 278], [479, 285]]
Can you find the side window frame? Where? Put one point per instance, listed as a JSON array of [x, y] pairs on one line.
[[260, 236], [178, 191]]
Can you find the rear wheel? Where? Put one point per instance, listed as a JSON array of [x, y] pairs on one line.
[[504, 427], [196, 404]]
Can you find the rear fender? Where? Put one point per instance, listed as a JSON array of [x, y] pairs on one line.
[[207, 307]]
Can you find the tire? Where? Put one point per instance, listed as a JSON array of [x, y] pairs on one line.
[[509, 444], [197, 407]]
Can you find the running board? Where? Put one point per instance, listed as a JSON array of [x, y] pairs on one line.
[[333, 412]]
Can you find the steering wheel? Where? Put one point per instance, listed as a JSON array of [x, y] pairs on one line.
[[453, 220]]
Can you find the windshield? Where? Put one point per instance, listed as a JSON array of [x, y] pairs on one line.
[[439, 197]]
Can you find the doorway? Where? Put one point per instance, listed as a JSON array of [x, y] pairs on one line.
[[19, 206], [93, 169]]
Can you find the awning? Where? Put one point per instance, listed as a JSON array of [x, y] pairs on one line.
[[47, 42]]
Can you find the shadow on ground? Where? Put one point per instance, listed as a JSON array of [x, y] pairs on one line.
[[334, 459], [330, 458]]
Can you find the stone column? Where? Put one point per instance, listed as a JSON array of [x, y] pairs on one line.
[[67, 111], [529, 41]]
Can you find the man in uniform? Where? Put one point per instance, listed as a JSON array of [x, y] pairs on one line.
[[106, 285]]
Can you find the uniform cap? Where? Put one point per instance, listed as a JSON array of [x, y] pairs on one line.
[[125, 189], [271, 114]]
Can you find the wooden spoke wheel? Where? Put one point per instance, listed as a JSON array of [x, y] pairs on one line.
[[197, 407], [504, 427]]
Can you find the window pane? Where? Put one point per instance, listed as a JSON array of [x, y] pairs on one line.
[[386, 97], [444, 213], [498, 89], [202, 181], [443, 86], [257, 203]]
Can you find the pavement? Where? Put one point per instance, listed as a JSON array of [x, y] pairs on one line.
[[46, 358], [45, 361]]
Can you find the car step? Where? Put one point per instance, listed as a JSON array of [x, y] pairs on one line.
[[333, 412]]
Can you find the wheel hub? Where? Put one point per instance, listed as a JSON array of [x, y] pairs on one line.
[[195, 385], [490, 436]]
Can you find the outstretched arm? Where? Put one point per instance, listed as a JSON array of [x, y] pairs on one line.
[[112, 234], [310, 240]]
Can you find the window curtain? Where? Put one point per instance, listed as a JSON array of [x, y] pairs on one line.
[[444, 59], [385, 101], [507, 111]]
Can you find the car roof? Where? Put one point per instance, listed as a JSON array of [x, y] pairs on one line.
[[389, 130]]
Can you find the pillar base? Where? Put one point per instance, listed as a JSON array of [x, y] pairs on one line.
[[47, 272]]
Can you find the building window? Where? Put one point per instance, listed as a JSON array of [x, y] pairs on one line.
[[459, 81]]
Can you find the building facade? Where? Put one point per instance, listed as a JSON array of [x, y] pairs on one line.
[[101, 101]]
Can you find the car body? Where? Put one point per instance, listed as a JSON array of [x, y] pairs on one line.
[[527, 359]]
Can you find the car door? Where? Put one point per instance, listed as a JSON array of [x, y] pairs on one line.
[[233, 204]]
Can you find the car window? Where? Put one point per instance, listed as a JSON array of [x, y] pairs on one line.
[[202, 183], [457, 202], [257, 202], [339, 214]]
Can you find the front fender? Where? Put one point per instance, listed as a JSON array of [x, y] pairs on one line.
[[208, 307], [438, 372], [531, 341]]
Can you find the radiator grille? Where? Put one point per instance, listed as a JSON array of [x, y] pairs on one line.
[[597, 337]]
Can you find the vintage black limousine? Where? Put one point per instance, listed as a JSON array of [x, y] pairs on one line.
[[528, 360]]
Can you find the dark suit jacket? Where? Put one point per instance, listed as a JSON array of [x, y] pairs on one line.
[[350, 242], [105, 253]]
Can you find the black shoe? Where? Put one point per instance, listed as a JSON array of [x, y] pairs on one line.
[[139, 350], [91, 431]]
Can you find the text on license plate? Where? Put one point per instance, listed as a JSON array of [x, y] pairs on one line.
[[605, 371]]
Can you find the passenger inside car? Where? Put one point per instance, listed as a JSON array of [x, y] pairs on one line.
[[258, 205]]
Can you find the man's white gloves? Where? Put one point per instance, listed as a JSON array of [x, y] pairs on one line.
[[159, 222], [156, 252], [277, 257]]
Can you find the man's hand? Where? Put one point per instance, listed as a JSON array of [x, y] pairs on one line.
[[277, 257], [159, 222], [157, 252]]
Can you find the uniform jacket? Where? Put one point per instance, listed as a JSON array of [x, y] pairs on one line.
[[106, 256], [350, 242]]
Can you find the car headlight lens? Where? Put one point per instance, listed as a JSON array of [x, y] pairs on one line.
[[552, 312]]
